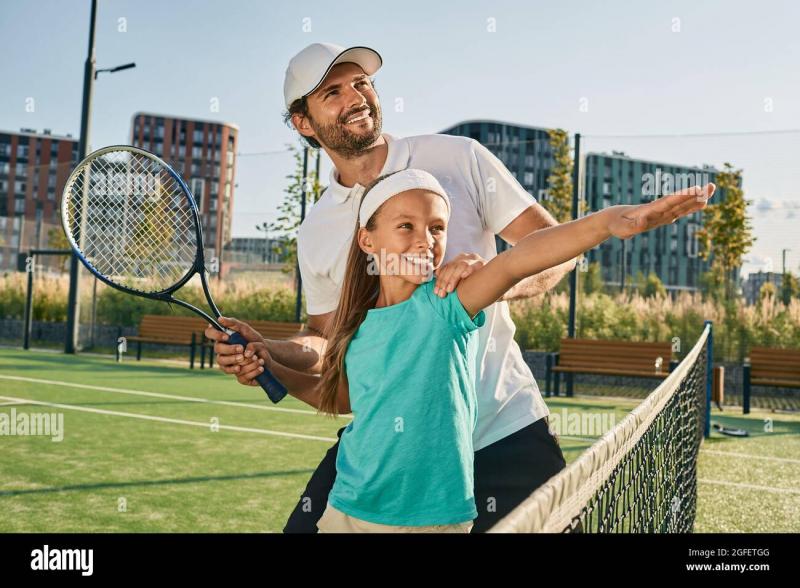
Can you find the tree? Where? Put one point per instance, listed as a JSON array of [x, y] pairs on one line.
[[288, 222], [790, 287], [654, 287], [649, 286], [150, 243], [727, 233], [558, 200], [768, 290], [57, 239], [713, 284]]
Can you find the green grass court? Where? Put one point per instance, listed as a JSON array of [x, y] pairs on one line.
[[193, 451]]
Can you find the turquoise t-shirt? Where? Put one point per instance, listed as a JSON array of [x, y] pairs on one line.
[[407, 456]]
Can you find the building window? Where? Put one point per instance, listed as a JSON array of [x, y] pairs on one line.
[[197, 152], [198, 189], [691, 240], [19, 206], [197, 137], [4, 168]]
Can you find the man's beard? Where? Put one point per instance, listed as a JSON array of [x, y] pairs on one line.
[[344, 143]]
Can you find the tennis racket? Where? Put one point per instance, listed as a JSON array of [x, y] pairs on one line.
[[132, 221]]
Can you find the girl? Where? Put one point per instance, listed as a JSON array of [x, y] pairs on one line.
[[401, 358]]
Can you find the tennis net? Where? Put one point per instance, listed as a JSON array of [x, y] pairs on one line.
[[641, 477]]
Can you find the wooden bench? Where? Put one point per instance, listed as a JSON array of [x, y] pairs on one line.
[[170, 330], [767, 366], [608, 358], [268, 330]]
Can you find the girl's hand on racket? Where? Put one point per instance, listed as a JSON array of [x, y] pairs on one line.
[[231, 359], [627, 221], [450, 274], [256, 357]]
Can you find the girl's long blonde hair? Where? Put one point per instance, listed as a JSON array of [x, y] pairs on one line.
[[359, 292]]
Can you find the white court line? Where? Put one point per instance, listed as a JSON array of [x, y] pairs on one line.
[[159, 395], [750, 486], [167, 420], [575, 438], [751, 456]]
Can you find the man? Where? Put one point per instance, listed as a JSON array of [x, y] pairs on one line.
[[333, 104]]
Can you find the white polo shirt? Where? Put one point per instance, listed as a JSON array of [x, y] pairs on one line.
[[485, 197]]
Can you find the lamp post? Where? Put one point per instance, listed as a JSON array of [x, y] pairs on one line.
[[89, 75], [573, 276]]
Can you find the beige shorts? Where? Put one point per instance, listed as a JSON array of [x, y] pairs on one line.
[[335, 521]]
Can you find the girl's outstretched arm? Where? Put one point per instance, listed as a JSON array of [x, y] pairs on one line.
[[555, 245]]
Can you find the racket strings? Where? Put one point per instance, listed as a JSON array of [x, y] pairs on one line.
[[131, 219]]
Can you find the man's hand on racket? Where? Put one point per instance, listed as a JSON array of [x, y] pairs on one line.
[[450, 274], [245, 363], [631, 220]]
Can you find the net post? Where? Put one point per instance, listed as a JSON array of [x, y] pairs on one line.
[[709, 377], [30, 265], [746, 387]]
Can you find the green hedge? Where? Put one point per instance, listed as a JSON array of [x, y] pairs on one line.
[[541, 322], [240, 299]]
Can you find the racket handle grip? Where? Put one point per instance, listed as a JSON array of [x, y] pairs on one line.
[[274, 389]]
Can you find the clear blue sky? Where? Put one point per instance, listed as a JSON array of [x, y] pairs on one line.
[[729, 60]]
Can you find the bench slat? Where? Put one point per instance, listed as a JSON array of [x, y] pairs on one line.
[[773, 382], [612, 372]]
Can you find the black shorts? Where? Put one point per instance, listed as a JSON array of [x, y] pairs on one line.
[[506, 472]]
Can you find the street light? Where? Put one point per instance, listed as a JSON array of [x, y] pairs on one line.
[[89, 75], [114, 69]]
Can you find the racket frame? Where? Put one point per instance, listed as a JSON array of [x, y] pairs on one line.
[[198, 267]]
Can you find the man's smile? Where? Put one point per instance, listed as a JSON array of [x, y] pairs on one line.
[[363, 115]]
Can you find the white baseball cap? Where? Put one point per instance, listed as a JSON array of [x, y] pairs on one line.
[[308, 68]]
